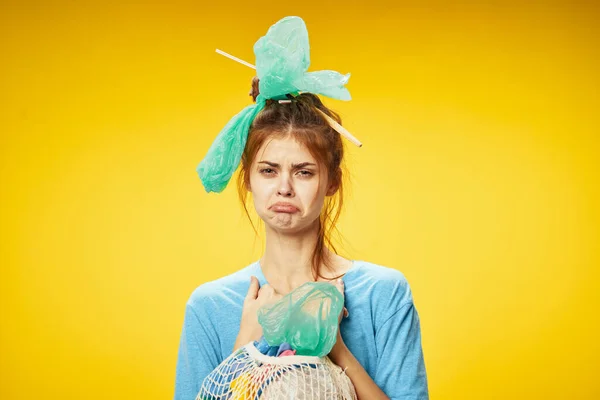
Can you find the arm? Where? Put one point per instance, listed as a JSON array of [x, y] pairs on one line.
[[198, 353], [400, 365], [364, 386]]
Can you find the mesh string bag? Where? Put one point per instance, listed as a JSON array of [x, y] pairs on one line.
[[308, 320], [247, 374]]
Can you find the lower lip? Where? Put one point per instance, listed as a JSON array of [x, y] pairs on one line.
[[285, 209]]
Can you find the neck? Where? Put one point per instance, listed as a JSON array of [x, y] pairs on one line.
[[287, 260]]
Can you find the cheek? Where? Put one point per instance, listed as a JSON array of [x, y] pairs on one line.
[[262, 191], [312, 195]]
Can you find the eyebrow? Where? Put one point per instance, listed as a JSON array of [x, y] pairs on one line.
[[299, 165]]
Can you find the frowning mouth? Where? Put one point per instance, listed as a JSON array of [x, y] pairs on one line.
[[284, 207]]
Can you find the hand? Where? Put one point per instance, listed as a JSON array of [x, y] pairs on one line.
[[339, 345], [256, 297]]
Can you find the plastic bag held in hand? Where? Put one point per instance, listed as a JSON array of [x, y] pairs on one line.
[[306, 318], [282, 59]]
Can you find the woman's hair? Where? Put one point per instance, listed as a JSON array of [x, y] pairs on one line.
[[301, 121]]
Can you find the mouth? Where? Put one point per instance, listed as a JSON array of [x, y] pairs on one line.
[[285, 209]]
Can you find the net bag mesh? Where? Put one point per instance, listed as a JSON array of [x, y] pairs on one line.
[[247, 374]]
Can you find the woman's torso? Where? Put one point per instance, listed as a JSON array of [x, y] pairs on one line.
[[372, 293]]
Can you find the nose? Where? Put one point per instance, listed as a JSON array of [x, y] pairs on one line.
[[285, 188]]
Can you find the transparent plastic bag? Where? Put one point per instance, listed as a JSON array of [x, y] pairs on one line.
[[225, 153], [282, 59], [306, 318]]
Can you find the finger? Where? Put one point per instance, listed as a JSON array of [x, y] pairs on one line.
[[265, 290], [346, 313], [339, 284], [253, 289]]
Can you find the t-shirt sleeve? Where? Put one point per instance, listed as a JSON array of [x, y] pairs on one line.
[[198, 352], [400, 366]]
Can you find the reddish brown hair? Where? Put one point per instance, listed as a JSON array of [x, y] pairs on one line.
[[301, 121]]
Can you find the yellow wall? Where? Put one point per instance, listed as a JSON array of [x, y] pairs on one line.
[[477, 179]]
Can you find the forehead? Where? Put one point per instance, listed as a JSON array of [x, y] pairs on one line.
[[284, 150]]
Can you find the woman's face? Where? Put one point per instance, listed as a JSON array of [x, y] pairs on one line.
[[284, 171]]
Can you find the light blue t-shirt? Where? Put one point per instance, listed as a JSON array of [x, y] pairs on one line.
[[382, 331]]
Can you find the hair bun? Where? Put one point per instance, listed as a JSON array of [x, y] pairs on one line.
[[254, 90]]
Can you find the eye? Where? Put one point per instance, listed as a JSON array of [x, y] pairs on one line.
[[271, 171]]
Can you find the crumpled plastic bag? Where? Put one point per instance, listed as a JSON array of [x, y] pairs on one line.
[[306, 318], [282, 59]]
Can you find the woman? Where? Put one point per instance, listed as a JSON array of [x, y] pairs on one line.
[[292, 166]]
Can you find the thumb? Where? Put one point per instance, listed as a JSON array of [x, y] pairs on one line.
[[339, 284], [253, 289]]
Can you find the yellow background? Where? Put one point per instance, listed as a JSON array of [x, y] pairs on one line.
[[477, 180]]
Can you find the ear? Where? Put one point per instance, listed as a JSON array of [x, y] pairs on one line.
[[333, 188], [335, 185]]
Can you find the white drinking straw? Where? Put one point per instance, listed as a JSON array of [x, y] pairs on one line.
[[333, 123], [236, 59]]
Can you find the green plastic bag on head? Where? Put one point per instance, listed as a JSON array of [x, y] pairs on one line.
[[282, 59], [306, 318], [225, 153]]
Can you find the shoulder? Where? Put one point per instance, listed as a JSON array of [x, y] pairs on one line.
[[229, 287], [387, 287]]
